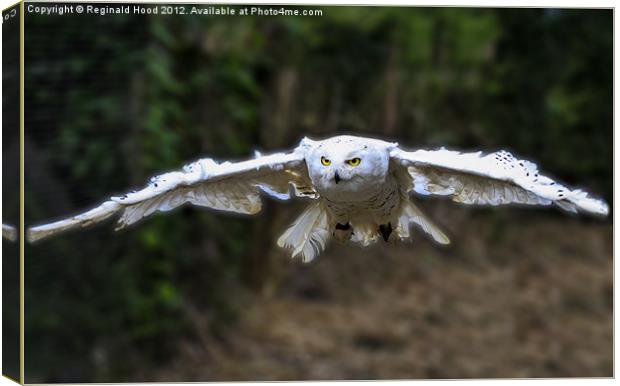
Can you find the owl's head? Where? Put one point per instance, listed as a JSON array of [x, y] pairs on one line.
[[346, 167]]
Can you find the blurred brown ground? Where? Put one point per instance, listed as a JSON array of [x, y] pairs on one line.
[[519, 293]]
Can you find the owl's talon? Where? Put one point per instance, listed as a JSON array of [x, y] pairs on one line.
[[342, 232], [386, 231]]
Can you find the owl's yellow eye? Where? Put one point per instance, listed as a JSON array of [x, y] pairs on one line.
[[325, 161], [354, 161]]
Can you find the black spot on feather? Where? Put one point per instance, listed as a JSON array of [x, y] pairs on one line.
[[386, 231], [343, 227]]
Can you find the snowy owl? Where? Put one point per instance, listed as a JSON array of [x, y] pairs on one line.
[[359, 190]]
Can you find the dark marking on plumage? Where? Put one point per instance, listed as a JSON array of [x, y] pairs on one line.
[[386, 231], [343, 227], [389, 196]]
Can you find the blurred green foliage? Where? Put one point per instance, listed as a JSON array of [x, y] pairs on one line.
[[112, 100]]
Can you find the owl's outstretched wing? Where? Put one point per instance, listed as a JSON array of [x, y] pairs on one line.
[[226, 186], [489, 179], [9, 232]]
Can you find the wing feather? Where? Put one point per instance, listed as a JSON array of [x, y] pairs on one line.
[[490, 179], [227, 186], [309, 234], [9, 232]]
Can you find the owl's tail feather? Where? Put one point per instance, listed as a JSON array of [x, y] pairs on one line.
[[412, 214], [85, 219], [309, 234]]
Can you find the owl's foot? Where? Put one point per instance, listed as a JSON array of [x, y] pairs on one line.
[[343, 232], [343, 227], [386, 231]]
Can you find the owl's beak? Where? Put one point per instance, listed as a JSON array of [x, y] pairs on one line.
[[337, 177]]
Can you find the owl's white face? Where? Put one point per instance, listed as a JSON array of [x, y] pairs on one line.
[[346, 168]]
